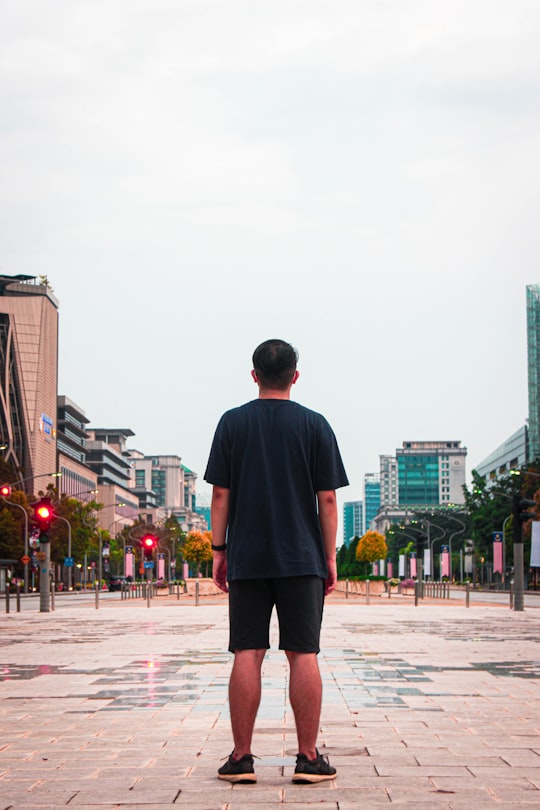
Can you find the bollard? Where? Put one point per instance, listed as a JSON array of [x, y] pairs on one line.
[[367, 591], [97, 594], [346, 591], [467, 594], [511, 594], [197, 592], [177, 591], [7, 598], [148, 595], [18, 598]]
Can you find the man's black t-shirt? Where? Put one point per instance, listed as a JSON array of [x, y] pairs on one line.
[[273, 456]]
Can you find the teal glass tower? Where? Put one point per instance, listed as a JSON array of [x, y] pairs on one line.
[[533, 370]]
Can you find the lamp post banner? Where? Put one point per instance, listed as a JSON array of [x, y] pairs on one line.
[[401, 565], [445, 561], [412, 564], [535, 544], [427, 562], [128, 562], [161, 566], [497, 552]]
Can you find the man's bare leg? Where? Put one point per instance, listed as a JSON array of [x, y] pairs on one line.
[[305, 694], [244, 698]]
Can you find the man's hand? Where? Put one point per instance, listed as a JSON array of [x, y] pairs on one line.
[[331, 579], [219, 569]]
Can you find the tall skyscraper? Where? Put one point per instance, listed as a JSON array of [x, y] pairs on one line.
[[353, 513], [28, 376], [533, 368], [372, 498]]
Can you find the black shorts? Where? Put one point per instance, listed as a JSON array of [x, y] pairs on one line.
[[299, 604]]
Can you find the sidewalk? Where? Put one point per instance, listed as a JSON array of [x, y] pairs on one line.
[[436, 706]]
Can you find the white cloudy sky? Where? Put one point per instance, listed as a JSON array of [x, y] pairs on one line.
[[360, 177]]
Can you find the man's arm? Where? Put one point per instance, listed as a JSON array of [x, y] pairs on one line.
[[328, 518], [219, 516]]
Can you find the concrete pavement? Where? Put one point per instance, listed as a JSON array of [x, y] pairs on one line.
[[126, 706]]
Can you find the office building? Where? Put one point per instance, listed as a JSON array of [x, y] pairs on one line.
[[28, 377], [533, 368], [372, 498], [76, 479], [107, 457], [353, 521], [431, 473], [173, 484], [510, 455]]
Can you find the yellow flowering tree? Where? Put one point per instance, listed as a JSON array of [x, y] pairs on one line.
[[371, 547], [198, 548]]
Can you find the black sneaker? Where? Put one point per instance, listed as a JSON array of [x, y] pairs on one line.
[[308, 771], [238, 770]]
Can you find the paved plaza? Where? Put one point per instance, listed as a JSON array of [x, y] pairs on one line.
[[126, 706]]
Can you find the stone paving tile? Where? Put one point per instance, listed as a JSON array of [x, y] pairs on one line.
[[431, 706]]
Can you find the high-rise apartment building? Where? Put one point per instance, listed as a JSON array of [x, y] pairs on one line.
[[372, 498], [28, 376], [388, 478], [353, 521], [431, 473], [533, 368]]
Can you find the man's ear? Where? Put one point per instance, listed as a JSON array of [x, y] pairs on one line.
[[254, 375], [295, 377]]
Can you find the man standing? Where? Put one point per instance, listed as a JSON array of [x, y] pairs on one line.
[[274, 466]]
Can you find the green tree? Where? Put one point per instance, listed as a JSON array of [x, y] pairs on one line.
[[347, 564], [488, 508]]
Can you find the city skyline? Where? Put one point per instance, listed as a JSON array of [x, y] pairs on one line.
[[357, 179]]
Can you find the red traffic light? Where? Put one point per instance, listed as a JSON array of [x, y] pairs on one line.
[[149, 541], [44, 513], [5, 490]]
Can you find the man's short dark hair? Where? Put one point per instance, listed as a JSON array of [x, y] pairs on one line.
[[274, 362]]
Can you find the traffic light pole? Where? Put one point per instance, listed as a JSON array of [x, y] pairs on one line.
[[45, 578], [517, 532]]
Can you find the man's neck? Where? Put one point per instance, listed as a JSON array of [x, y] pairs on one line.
[[274, 393]]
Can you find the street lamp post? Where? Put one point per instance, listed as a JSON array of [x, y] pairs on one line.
[[517, 532], [69, 567]]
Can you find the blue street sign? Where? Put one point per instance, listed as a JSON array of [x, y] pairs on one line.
[[148, 564], [497, 537], [68, 562]]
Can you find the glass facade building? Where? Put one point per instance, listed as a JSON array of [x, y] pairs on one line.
[[353, 512], [372, 498], [533, 370], [431, 473]]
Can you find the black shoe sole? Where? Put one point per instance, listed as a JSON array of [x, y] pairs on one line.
[[312, 778], [239, 778]]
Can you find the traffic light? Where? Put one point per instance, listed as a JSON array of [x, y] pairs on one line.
[[149, 543], [5, 490], [44, 515], [520, 506]]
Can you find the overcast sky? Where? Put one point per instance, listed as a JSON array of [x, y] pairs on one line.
[[359, 177]]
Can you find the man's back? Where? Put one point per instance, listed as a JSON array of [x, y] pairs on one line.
[[274, 455]]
